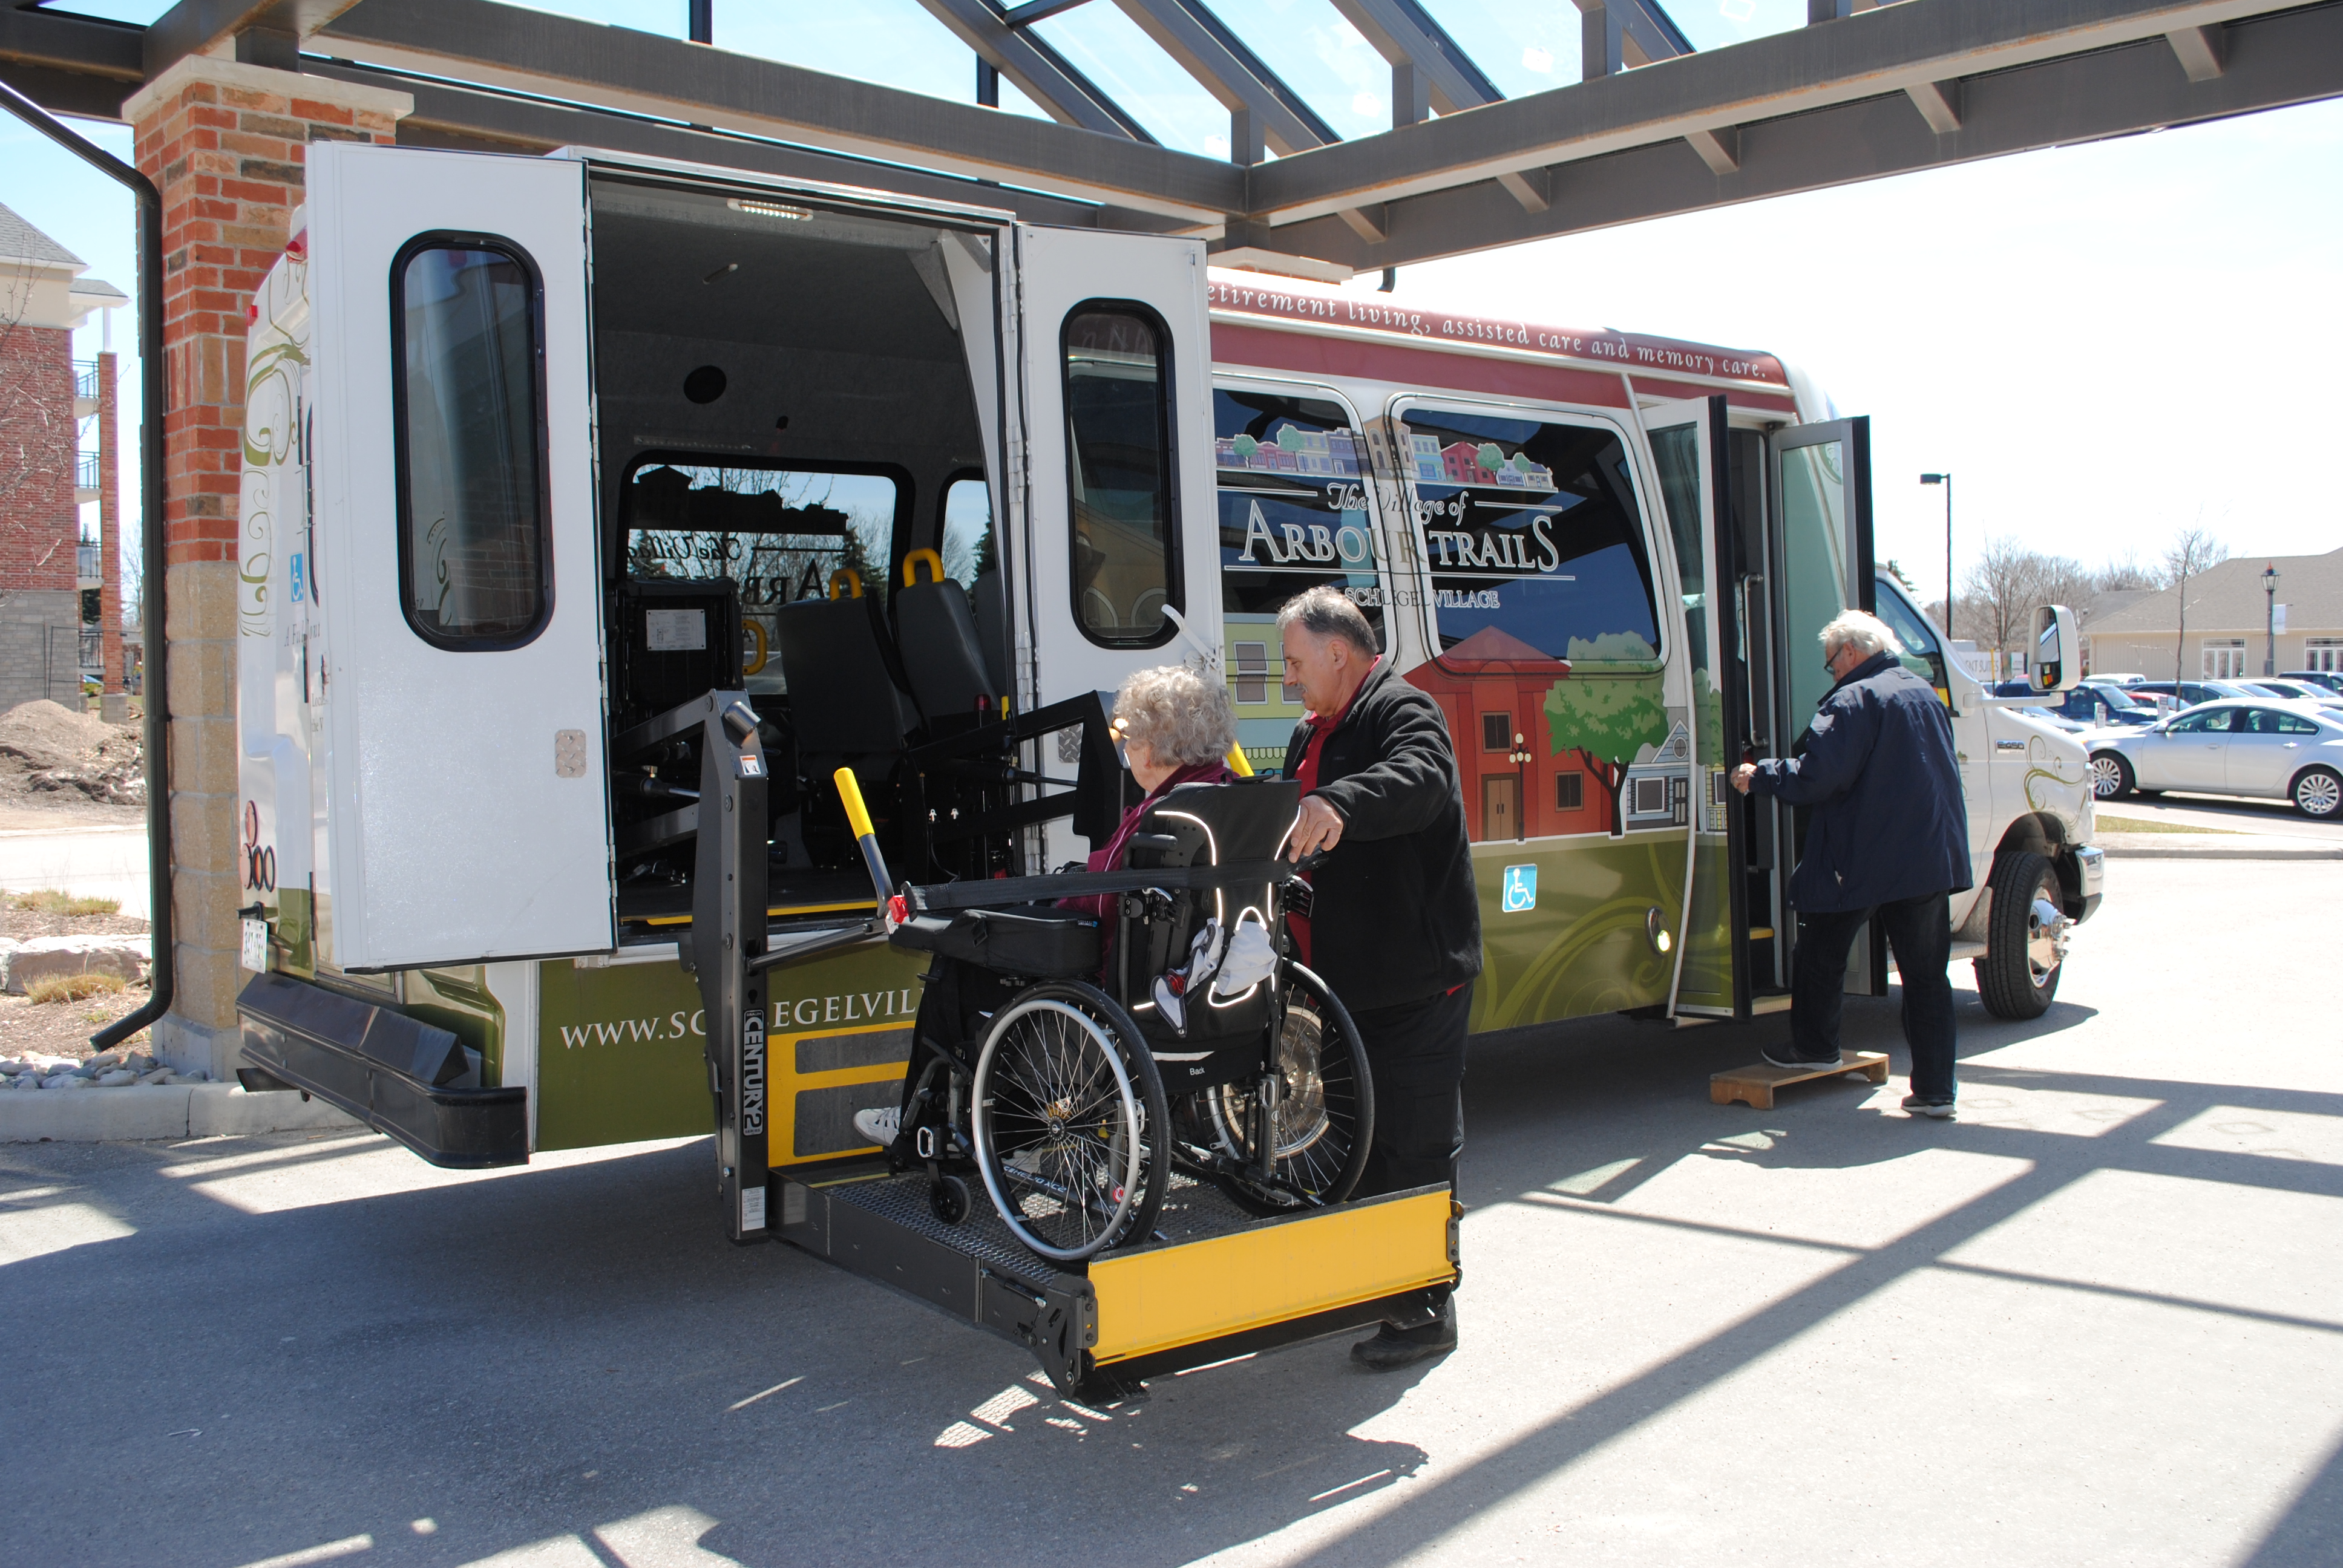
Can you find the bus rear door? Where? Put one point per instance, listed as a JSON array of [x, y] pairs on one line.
[[455, 558]]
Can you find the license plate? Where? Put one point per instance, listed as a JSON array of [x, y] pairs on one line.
[[256, 946]]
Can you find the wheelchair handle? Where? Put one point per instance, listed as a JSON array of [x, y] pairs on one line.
[[1310, 862], [857, 817]]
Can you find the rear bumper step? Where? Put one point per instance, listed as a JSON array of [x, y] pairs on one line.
[[1219, 1286], [401, 1077]]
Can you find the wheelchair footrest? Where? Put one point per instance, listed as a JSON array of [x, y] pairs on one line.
[[1215, 1285]]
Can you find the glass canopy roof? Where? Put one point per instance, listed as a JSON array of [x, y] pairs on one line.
[[1319, 59]]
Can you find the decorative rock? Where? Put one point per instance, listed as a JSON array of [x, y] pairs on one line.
[[68, 1080], [139, 1061], [104, 1060], [119, 1076], [11, 1068], [160, 1075], [47, 957]]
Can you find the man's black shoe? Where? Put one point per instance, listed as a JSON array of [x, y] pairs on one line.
[[1391, 1347], [1779, 1056]]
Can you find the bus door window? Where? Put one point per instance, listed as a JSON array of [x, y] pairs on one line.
[[1293, 477], [1542, 594], [776, 533]]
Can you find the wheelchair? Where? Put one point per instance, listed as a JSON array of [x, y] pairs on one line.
[[1049, 1060]]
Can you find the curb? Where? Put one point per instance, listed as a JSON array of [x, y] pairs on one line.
[[2218, 852], [140, 1112]]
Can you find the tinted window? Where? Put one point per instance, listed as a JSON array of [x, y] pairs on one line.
[[778, 533], [2268, 721], [471, 429], [1118, 474], [968, 549], [2203, 723], [1533, 534]]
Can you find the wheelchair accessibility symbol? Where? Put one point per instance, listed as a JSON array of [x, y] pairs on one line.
[[1521, 888]]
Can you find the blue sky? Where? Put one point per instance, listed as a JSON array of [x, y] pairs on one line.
[[2101, 343]]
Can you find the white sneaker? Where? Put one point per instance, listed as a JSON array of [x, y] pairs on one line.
[[880, 1125]]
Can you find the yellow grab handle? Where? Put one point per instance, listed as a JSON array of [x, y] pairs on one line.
[[755, 629], [849, 790], [1238, 764], [935, 566], [848, 578]]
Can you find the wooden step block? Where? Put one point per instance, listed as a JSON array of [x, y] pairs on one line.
[[1754, 1086]]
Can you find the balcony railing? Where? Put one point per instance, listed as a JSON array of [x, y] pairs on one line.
[[93, 653], [85, 379], [85, 470]]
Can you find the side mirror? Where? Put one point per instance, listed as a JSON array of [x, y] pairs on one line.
[[2057, 664]]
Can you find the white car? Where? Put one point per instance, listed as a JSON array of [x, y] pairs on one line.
[[2286, 750]]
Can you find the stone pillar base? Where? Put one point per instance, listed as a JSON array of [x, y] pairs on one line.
[[114, 707], [187, 1045]]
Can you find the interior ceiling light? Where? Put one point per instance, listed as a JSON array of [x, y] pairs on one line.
[[768, 208]]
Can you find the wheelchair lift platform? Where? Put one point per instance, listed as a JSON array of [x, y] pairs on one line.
[[1215, 1283]]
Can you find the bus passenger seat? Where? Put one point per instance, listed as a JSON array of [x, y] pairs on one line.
[[942, 655], [993, 629], [843, 703]]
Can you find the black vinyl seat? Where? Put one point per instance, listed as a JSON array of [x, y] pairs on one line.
[[935, 629], [844, 701]]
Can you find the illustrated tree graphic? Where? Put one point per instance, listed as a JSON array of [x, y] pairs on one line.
[[1606, 718]]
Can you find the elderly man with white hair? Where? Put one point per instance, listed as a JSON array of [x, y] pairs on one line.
[[1888, 840]]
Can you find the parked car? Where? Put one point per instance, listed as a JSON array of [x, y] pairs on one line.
[[2291, 751], [2119, 678], [2331, 680], [2189, 693], [2298, 690], [2089, 704]]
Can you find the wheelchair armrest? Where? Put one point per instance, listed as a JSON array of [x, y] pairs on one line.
[[1004, 891]]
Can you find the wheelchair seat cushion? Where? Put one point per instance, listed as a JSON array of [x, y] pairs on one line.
[[1035, 941]]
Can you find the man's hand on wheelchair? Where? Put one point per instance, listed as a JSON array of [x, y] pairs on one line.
[[1319, 827]]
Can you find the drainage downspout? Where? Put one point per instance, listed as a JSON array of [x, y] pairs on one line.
[[153, 681]]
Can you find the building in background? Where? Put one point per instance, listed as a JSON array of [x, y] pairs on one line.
[[44, 479], [2227, 623]]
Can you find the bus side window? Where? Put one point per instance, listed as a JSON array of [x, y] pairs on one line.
[[469, 426], [1292, 476], [1920, 654], [1535, 537], [1119, 447]]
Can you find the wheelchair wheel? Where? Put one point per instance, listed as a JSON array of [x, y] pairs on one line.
[[1325, 1114], [1066, 1100]]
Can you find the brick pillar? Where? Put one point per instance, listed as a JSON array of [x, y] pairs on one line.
[[224, 142], [113, 705]]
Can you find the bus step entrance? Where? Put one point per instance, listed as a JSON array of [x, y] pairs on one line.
[[1212, 1284]]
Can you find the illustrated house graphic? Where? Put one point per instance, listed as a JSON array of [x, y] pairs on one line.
[[1491, 687]]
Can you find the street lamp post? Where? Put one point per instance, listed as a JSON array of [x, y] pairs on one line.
[[2269, 622], [1946, 480], [1520, 758]]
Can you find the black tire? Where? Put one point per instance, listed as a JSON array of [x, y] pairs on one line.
[[2025, 949], [950, 1199], [2111, 777], [2318, 793], [1326, 1122], [1064, 1104]]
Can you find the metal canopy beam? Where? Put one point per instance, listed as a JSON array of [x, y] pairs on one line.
[[666, 79], [1040, 73], [1839, 62], [1409, 39], [2270, 62], [447, 115], [1232, 74], [264, 32]]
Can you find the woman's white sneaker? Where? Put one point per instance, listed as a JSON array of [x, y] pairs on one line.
[[880, 1125]]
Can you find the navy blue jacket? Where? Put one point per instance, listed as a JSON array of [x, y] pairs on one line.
[[1880, 771]]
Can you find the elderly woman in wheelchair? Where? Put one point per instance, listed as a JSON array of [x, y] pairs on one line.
[[1087, 1038]]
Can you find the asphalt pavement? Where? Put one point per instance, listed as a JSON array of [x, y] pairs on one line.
[[2097, 1319]]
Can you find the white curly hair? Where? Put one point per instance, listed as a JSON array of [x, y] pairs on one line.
[[1866, 633], [1181, 717]]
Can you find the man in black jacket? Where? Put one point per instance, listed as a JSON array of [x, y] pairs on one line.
[[1395, 923], [1888, 839]]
